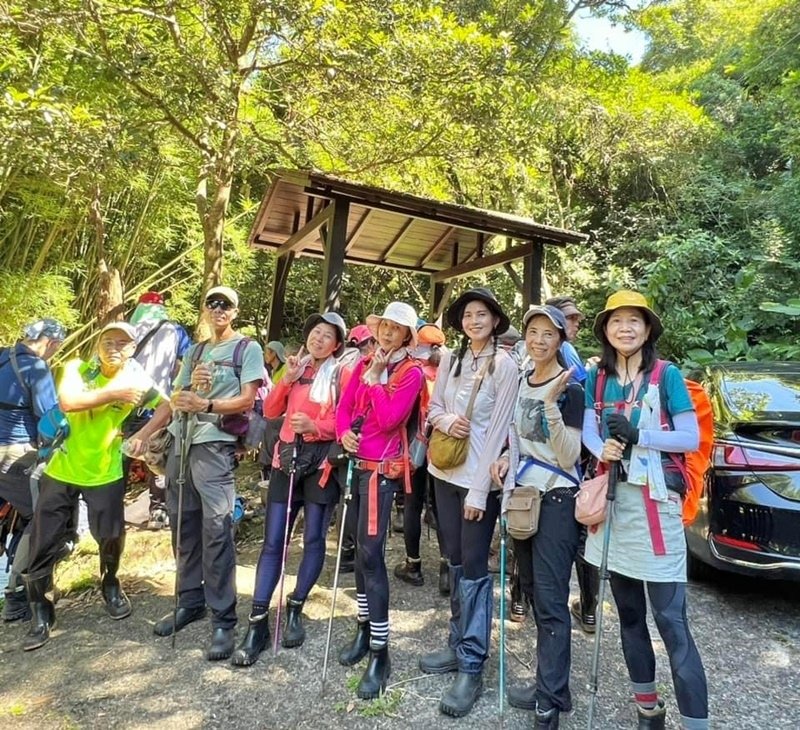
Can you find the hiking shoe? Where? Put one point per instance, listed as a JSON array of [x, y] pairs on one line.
[[159, 519], [410, 571], [15, 607], [518, 611]]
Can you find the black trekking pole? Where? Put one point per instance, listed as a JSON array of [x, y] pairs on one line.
[[183, 458], [298, 440], [347, 497], [604, 577]]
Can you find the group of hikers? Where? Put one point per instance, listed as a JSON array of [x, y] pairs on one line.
[[354, 413]]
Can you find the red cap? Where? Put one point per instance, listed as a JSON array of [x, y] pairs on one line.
[[360, 333], [151, 297]]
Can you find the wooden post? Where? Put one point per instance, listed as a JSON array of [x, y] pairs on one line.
[[333, 265], [440, 293], [532, 277], [282, 266]]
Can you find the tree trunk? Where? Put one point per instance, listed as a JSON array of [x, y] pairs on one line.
[[109, 283]]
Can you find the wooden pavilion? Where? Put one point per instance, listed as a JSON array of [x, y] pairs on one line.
[[307, 213]]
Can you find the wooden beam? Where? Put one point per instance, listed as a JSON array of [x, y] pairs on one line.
[[333, 267], [532, 277], [401, 234], [485, 263], [359, 229], [436, 246], [440, 295], [278, 296], [263, 213], [514, 277], [297, 240]]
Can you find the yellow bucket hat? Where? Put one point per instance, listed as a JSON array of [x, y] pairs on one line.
[[627, 298]]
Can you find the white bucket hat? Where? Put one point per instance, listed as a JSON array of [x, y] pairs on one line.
[[398, 312]]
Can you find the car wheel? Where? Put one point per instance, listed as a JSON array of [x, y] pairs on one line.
[[696, 569]]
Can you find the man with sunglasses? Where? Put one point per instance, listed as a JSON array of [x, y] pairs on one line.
[[207, 387]]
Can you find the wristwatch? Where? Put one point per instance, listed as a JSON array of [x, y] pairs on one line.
[[210, 406]]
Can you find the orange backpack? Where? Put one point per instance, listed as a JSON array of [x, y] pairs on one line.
[[694, 464]]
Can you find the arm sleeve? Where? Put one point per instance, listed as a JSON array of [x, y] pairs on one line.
[[344, 411], [438, 416], [502, 415], [684, 437], [391, 409], [564, 424], [590, 435]]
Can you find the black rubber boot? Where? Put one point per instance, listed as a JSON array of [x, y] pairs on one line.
[[167, 625], [444, 661], [523, 698], [255, 641], [379, 667], [358, 648], [294, 634], [654, 719], [222, 644], [546, 719], [348, 562], [584, 609], [15, 605], [459, 700], [397, 522], [42, 609], [410, 571], [444, 578], [117, 603]]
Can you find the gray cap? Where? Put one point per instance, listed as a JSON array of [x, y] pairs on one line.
[[278, 349], [128, 329], [554, 314], [332, 318], [46, 327]]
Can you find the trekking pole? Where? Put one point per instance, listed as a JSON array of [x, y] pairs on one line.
[[347, 497], [298, 439], [502, 618], [183, 458], [604, 577]]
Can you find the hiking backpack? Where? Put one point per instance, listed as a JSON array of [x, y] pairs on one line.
[[692, 465]]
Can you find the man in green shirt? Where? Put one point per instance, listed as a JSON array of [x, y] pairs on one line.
[[96, 396]]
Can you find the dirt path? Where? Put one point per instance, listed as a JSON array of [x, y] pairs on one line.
[[99, 673]]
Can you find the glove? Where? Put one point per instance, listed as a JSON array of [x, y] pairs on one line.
[[621, 429]]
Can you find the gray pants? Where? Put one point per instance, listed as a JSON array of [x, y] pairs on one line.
[[205, 551]]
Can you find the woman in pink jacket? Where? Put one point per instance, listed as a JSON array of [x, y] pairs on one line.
[[305, 394], [370, 422]]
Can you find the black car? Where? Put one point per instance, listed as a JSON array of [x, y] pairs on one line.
[[749, 516]]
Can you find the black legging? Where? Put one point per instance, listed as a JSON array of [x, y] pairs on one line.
[[412, 512], [668, 602], [466, 542]]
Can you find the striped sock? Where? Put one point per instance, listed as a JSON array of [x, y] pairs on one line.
[[363, 606], [379, 631], [645, 695]]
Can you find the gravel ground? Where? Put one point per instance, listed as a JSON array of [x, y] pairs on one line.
[[99, 673]]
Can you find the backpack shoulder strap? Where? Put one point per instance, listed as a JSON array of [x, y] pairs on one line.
[[149, 336], [238, 356], [599, 391], [12, 356], [197, 353]]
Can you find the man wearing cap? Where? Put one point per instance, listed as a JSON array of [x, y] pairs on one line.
[[160, 346], [96, 396], [574, 317], [210, 384], [28, 391]]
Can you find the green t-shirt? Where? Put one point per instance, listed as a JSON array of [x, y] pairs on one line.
[[203, 426], [91, 456]]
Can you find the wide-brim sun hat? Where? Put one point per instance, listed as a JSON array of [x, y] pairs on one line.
[[225, 292], [554, 314], [278, 348], [332, 318], [430, 334], [627, 298], [455, 312], [399, 313]]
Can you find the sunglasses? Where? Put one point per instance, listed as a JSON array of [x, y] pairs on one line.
[[212, 304]]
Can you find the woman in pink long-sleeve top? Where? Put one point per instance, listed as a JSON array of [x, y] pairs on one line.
[[370, 421], [467, 502], [306, 394]]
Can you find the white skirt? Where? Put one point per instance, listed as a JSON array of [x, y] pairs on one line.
[[630, 551]]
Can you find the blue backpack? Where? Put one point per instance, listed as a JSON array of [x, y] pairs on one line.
[[53, 429]]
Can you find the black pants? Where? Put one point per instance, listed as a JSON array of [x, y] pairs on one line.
[[466, 542], [668, 603], [53, 520], [421, 487], [371, 577]]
